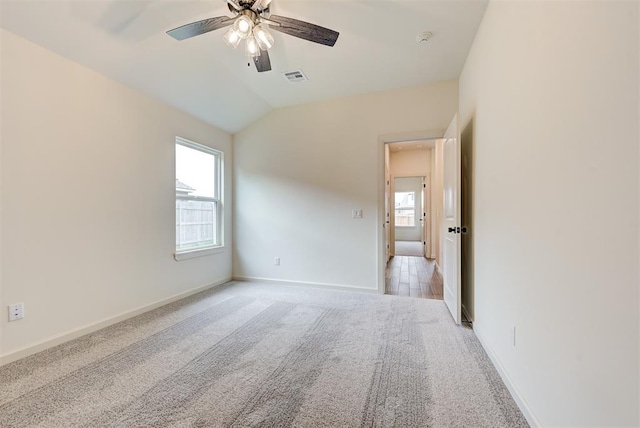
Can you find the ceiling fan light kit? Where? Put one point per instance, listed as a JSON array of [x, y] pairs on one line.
[[252, 49], [231, 38], [251, 23], [243, 25], [263, 37]]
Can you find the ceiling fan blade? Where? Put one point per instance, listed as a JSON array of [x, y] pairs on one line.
[[234, 5], [200, 27], [304, 30], [259, 6], [262, 62], [256, 5]]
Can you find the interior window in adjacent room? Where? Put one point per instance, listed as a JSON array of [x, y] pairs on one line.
[[405, 206]]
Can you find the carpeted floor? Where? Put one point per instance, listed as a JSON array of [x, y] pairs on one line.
[[266, 355], [409, 248]]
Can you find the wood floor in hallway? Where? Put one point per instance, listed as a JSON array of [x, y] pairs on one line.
[[414, 277]]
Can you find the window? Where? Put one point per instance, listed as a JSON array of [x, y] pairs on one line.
[[405, 206], [198, 197]]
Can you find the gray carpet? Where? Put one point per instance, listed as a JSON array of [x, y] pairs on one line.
[[409, 248], [269, 356]]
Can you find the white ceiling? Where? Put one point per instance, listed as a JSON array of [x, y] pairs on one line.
[[376, 50]]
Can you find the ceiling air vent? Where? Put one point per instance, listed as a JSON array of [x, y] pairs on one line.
[[296, 76]]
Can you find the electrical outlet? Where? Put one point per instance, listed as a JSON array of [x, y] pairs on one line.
[[513, 335], [16, 311], [276, 261]]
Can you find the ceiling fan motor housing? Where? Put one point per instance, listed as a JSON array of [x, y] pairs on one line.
[[246, 5]]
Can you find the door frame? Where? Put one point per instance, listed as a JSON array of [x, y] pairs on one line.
[[433, 134], [426, 216], [418, 211], [387, 205]]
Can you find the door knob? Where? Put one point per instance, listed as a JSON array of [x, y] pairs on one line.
[[452, 229]]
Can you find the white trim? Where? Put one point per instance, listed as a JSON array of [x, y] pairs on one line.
[[534, 422], [218, 154], [201, 252], [307, 284], [219, 189], [432, 134], [411, 175], [197, 198], [197, 146], [74, 334], [426, 215]]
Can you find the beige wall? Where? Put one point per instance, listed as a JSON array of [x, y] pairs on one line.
[[410, 163], [88, 197], [2, 109], [300, 171], [552, 88]]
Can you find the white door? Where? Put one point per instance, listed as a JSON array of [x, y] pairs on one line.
[[387, 204], [451, 221]]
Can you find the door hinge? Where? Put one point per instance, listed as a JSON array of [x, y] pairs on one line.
[[424, 185], [424, 242], [388, 183]]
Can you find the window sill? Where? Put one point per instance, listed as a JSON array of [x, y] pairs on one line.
[[183, 255]]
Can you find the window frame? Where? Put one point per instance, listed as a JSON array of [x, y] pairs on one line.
[[405, 208], [217, 199]]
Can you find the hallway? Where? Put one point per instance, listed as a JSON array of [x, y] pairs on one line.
[[414, 277], [409, 248]]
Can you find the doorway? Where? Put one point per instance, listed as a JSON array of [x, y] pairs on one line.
[[411, 269], [408, 216], [451, 217]]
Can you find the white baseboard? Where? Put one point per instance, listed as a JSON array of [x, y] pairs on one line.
[[308, 284], [74, 334], [534, 422]]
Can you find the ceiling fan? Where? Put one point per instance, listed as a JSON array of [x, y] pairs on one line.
[[251, 22]]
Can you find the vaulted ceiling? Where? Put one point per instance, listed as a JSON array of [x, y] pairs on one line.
[[376, 50]]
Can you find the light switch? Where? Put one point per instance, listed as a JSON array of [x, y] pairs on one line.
[[356, 214]]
